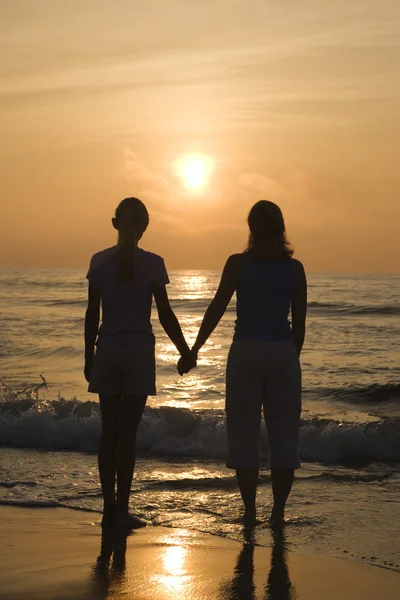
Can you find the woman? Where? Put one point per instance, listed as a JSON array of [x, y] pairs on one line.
[[263, 367], [124, 279]]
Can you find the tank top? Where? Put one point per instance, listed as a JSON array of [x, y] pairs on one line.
[[264, 291]]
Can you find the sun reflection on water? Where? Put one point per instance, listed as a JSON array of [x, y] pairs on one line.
[[194, 286], [174, 559], [174, 579], [190, 294]]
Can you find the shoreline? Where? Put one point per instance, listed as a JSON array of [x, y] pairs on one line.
[[60, 553], [337, 512], [93, 518]]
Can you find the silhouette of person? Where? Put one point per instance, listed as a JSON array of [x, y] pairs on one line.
[[108, 573], [241, 586], [124, 279], [263, 369], [278, 585]]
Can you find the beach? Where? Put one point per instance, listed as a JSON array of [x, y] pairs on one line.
[[345, 498], [230, 167], [61, 554]]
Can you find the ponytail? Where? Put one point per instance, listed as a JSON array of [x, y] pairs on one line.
[[126, 249], [131, 220]]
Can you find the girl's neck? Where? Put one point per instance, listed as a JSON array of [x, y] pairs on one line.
[[127, 240]]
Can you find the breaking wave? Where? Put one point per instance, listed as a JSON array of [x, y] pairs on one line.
[[72, 425]]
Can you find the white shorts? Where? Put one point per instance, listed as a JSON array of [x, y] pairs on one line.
[[123, 370], [263, 374]]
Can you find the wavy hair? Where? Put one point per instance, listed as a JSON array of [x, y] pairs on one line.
[[267, 239]]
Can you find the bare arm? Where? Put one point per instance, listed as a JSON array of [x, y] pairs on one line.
[[169, 321], [299, 307], [92, 319], [220, 301]]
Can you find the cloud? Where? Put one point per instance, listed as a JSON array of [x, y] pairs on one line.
[[306, 201], [135, 170], [164, 220], [269, 187]]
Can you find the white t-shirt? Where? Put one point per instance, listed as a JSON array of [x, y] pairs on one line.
[[126, 307]]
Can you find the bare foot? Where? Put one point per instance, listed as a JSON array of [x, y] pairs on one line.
[[129, 521], [108, 519], [277, 517], [249, 518]]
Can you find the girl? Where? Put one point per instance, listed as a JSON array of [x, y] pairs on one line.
[[124, 279], [263, 367]]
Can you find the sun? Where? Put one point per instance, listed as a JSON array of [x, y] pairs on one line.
[[195, 170]]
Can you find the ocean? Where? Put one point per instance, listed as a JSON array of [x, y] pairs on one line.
[[346, 497]]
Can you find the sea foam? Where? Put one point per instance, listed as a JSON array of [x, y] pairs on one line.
[[73, 425]]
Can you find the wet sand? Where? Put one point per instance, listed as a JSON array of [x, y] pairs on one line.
[[61, 554]]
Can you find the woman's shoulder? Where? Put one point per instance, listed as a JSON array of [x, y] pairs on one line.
[[233, 263], [297, 264], [234, 259], [299, 271], [233, 266]]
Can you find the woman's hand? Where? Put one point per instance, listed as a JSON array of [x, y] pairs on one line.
[[187, 362], [88, 367]]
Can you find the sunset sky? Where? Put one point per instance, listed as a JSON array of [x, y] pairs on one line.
[[296, 101]]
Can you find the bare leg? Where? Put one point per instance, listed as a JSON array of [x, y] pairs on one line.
[[247, 482], [131, 412], [282, 480], [109, 406]]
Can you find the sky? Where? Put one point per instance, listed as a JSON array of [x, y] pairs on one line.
[[295, 101]]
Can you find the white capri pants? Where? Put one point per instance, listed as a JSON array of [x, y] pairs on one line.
[[263, 374]]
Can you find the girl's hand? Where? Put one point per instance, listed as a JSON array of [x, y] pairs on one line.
[[186, 363]]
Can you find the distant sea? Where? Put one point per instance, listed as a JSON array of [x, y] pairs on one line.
[[346, 499]]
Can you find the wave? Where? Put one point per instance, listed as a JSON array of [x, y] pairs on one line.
[[191, 305], [230, 483], [353, 309], [12, 484], [199, 305], [63, 302], [37, 503], [194, 305], [59, 352], [80, 500], [177, 432], [376, 393]]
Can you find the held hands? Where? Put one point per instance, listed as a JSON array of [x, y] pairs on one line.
[[187, 362]]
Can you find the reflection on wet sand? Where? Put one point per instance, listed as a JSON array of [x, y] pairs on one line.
[[242, 584], [174, 579], [109, 577], [173, 562], [278, 585], [108, 574]]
